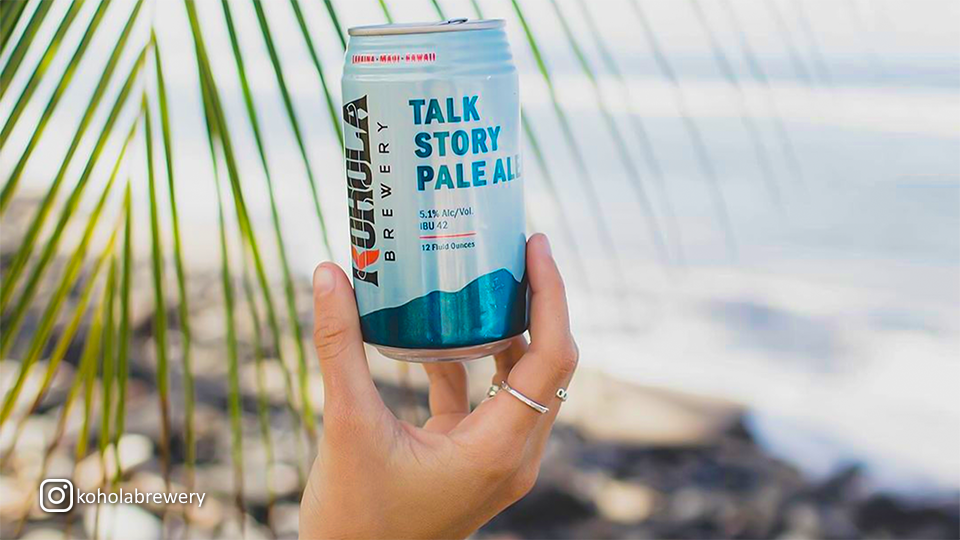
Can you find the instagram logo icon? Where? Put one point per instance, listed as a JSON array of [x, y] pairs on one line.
[[56, 495]]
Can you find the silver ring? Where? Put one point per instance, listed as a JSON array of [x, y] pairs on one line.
[[562, 394], [527, 401], [492, 391]]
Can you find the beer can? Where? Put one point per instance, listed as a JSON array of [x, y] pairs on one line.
[[431, 119]]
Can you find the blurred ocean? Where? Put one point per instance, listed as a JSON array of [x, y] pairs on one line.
[[836, 319]]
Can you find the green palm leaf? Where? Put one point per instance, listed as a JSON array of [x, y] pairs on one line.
[[62, 85], [216, 126], [67, 334], [108, 370], [217, 122], [289, 290], [386, 11], [93, 348], [8, 22], [23, 254], [764, 163], [50, 246], [236, 426], [640, 132], [57, 437], [693, 131], [633, 174], [83, 367], [123, 337], [179, 266], [263, 414], [305, 32], [56, 300], [107, 373], [20, 49], [41, 68], [291, 114], [332, 12], [159, 297]]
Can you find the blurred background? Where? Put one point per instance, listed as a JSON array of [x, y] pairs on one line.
[[769, 348]]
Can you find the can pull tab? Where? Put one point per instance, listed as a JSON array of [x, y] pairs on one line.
[[454, 21]]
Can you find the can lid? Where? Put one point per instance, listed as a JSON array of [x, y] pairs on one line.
[[450, 25]]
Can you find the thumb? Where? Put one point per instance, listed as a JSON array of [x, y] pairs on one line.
[[347, 385]]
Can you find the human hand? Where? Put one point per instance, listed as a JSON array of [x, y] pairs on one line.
[[379, 477]]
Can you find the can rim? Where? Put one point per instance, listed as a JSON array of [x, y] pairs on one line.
[[449, 25]]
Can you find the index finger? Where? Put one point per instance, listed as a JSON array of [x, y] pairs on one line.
[[348, 386]]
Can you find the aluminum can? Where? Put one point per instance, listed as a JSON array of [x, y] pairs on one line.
[[431, 119]]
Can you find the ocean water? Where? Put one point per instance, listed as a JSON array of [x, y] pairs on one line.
[[827, 301]]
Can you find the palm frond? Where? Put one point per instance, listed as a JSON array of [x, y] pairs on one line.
[[84, 365], [217, 131], [263, 412], [289, 290], [290, 294], [10, 17], [108, 364], [640, 133], [438, 9], [386, 11], [764, 162], [236, 426], [23, 253], [40, 69], [246, 230], [123, 332], [760, 75], [593, 200], [88, 374], [693, 130], [64, 341], [646, 206], [66, 213], [23, 43], [332, 12], [291, 115], [159, 297], [65, 79], [183, 306], [331, 107], [55, 301], [530, 133]]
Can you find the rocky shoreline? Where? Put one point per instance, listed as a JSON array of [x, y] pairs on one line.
[[624, 461]]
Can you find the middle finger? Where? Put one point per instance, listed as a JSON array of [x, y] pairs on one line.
[[508, 358], [448, 388]]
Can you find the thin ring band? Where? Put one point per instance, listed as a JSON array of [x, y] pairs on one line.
[[526, 401]]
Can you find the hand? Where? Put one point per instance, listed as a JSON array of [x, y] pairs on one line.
[[378, 477]]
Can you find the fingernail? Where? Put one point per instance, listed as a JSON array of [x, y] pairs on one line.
[[323, 280], [546, 242]]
